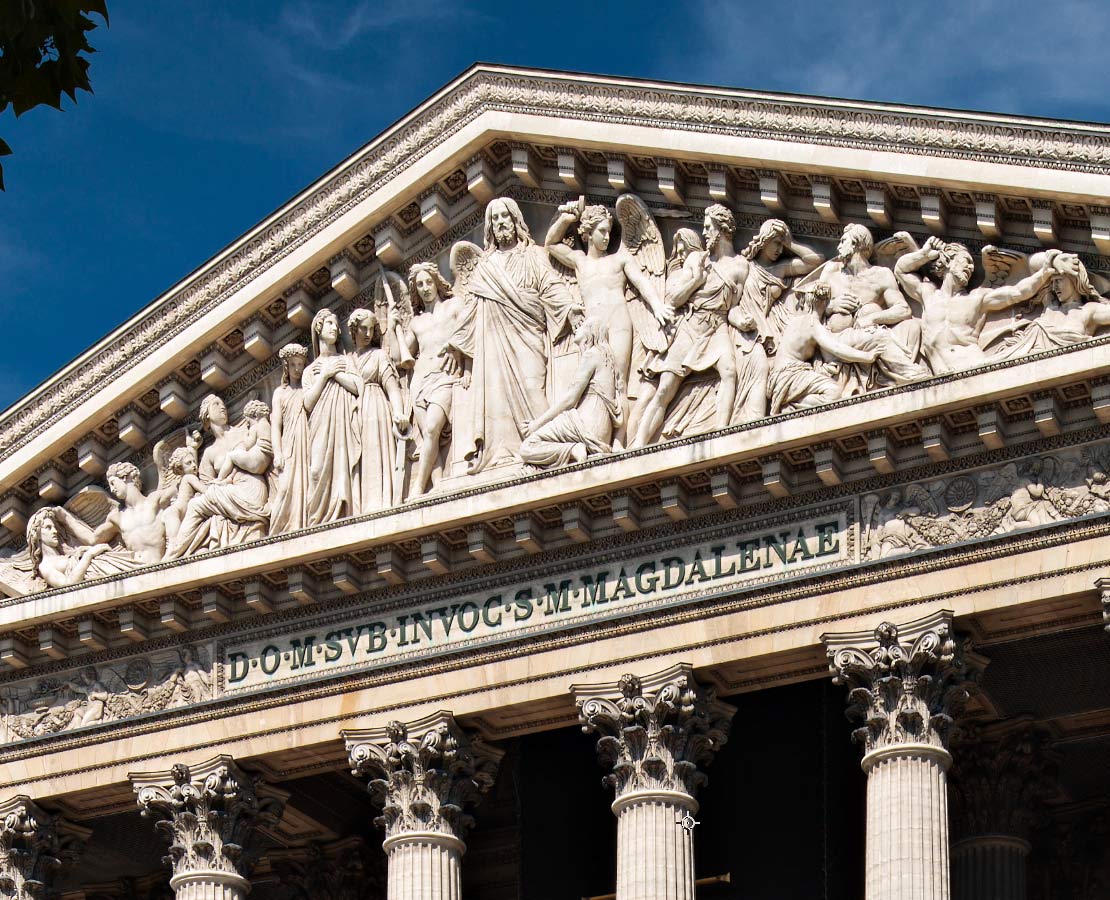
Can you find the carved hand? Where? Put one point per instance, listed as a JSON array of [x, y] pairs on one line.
[[845, 303], [664, 315]]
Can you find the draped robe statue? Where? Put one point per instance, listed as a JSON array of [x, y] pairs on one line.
[[516, 305]]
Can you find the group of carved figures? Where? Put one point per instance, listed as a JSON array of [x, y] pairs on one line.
[[93, 696], [1028, 493], [665, 346]]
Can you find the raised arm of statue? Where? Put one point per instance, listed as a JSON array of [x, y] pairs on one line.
[[906, 269], [805, 260], [108, 530], [1012, 294], [553, 243]]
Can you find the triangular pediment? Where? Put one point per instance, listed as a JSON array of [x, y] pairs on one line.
[[543, 139]]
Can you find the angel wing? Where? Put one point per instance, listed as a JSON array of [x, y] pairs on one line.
[[868, 504], [464, 257], [91, 505], [163, 450], [888, 252], [391, 292], [640, 238], [1003, 267], [918, 495]]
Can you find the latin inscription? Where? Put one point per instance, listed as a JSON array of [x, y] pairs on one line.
[[519, 609]]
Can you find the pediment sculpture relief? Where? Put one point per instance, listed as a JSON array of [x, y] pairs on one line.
[[535, 356]]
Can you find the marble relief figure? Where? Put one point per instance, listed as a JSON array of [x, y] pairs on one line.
[[233, 508], [625, 289], [382, 422], [436, 317], [706, 291], [868, 311], [289, 433], [953, 317], [540, 357], [331, 390], [582, 420], [62, 559], [516, 306]]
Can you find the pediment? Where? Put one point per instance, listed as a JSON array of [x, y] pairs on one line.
[[543, 139]]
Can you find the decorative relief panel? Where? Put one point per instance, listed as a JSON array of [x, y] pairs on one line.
[[535, 356]]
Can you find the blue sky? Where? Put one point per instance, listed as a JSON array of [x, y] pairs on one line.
[[209, 115]]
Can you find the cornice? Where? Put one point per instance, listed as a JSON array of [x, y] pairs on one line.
[[1037, 143]]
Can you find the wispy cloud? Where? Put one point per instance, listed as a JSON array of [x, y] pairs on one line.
[[1010, 55]]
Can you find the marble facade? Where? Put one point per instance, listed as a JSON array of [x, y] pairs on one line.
[[577, 404]]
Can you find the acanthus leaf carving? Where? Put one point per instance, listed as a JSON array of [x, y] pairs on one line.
[[656, 733], [906, 684], [424, 775], [34, 847], [209, 814]]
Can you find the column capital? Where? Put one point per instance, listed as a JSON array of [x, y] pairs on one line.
[[209, 813], [655, 731], [423, 774], [906, 683], [1000, 782], [34, 846], [337, 870]]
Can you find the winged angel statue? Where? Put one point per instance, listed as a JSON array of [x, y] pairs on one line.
[[624, 289]]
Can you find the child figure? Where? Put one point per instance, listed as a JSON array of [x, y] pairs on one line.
[[256, 419], [183, 464]]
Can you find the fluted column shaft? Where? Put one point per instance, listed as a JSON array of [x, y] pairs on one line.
[[655, 734], [209, 886], [424, 866], [655, 855], [990, 867], [906, 684], [907, 855]]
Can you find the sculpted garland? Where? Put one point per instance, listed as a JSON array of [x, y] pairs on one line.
[[538, 356]]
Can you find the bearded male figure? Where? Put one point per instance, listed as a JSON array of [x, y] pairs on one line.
[[868, 311], [953, 316], [515, 308]]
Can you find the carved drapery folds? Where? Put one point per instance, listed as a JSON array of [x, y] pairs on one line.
[[906, 684], [210, 814], [424, 774], [655, 733], [34, 846], [535, 355]]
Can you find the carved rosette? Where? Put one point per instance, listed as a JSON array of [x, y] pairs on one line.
[[34, 847], [209, 814], [655, 732], [906, 684], [999, 786], [423, 774]]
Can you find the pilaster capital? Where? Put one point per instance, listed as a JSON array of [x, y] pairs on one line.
[[656, 731], [906, 683], [338, 870], [34, 846], [1103, 587], [423, 774], [209, 813], [1000, 782]]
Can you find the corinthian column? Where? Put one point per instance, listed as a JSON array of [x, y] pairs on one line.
[[998, 790], [34, 847], [423, 775], [210, 815], [655, 733], [905, 685]]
